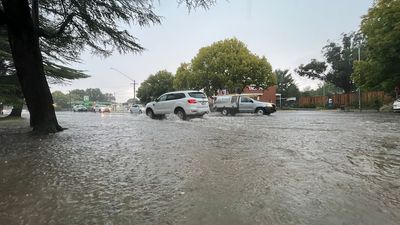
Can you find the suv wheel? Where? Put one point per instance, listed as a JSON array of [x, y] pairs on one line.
[[150, 113], [224, 112], [181, 114], [260, 111]]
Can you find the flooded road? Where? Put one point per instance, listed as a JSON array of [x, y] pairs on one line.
[[288, 168]]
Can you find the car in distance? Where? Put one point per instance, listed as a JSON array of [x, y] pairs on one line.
[[232, 104], [135, 108], [79, 108], [396, 105], [102, 108], [185, 104]]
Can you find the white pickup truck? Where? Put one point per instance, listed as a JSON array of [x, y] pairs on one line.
[[232, 104]]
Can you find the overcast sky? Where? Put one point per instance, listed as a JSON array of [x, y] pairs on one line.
[[287, 32]]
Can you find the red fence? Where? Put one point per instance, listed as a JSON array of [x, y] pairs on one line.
[[368, 99]]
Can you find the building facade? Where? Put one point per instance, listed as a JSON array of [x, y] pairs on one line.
[[265, 95]]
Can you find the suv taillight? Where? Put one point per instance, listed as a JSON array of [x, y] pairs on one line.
[[192, 101]]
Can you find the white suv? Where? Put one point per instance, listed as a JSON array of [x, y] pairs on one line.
[[183, 103]]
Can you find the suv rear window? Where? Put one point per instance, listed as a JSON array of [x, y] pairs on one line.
[[197, 95], [175, 96]]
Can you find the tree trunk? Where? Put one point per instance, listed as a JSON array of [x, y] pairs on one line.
[[28, 62]]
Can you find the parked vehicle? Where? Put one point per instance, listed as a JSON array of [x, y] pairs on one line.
[[102, 108], [396, 105], [232, 104], [182, 103], [79, 108], [135, 109]]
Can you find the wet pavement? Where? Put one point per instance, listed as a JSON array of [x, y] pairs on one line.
[[289, 168]]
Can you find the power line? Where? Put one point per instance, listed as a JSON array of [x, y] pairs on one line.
[[134, 82], [111, 68]]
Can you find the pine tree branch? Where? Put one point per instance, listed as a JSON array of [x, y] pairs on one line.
[[61, 29]]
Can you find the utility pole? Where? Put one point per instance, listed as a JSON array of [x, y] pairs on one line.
[[323, 91], [134, 82], [134, 90], [70, 100], [359, 86]]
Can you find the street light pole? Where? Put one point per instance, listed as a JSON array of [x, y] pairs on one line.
[[70, 100]]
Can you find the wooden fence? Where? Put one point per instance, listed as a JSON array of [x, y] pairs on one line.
[[368, 99]]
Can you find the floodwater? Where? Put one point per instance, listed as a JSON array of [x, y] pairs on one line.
[[289, 168]]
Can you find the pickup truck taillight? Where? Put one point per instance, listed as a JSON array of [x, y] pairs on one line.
[[192, 101]]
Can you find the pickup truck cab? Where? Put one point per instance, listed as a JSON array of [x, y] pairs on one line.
[[232, 104]]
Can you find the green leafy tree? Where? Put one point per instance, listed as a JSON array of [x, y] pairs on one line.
[[94, 94], [156, 85], [338, 67], [226, 64], [66, 28], [381, 69], [61, 100], [286, 85], [109, 97], [313, 70], [293, 91], [328, 89], [184, 77], [77, 94]]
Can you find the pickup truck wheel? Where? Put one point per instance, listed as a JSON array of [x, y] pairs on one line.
[[159, 117], [181, 114], [150, 113], [224, 112], [260, 111]]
